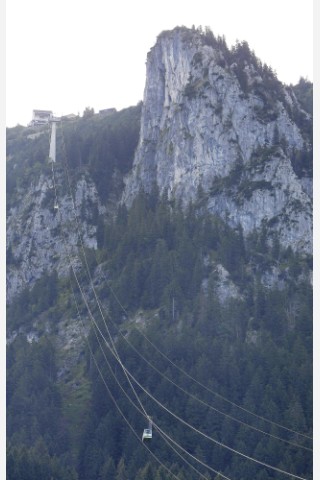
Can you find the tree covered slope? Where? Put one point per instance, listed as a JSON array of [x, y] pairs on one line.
[[146, 295]]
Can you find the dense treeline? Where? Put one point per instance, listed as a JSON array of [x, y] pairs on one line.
[[254, 349], [154, 254], [304, 93], [104, 145], [36, 426]]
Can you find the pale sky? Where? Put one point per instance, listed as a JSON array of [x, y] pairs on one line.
[[67, 55]]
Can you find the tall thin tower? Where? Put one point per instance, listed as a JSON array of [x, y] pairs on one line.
[[52, 151]]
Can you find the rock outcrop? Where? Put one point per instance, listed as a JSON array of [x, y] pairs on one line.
[[43, 239], [218, 125]]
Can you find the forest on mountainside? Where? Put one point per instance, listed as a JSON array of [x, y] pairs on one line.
[[152, 254], [187, 322]]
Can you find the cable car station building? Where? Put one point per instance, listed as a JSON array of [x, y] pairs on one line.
[[40, 117]]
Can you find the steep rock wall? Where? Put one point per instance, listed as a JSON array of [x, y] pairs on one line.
[[200, 127], [43, 239]]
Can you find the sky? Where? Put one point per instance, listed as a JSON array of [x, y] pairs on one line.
[[67, 55]]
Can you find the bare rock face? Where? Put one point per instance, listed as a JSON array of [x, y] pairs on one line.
[[223, 134], [43, 239]]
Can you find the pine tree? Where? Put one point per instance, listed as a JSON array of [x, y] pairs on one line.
[[121, 470], [108, 470]]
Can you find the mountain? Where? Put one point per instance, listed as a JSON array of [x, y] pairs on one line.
[[174, 280], [221, 122], [94, 156]]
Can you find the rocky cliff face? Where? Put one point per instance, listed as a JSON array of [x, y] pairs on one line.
[[217, 129], [218, 126], [42, 239]]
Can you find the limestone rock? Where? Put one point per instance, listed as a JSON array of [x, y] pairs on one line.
[[203, 129]]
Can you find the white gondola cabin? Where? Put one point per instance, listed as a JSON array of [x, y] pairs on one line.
[[147, 432]]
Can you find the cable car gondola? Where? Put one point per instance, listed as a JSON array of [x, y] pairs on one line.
[[147, 432]]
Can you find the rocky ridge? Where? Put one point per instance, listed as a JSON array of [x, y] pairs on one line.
[[208, 126]]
